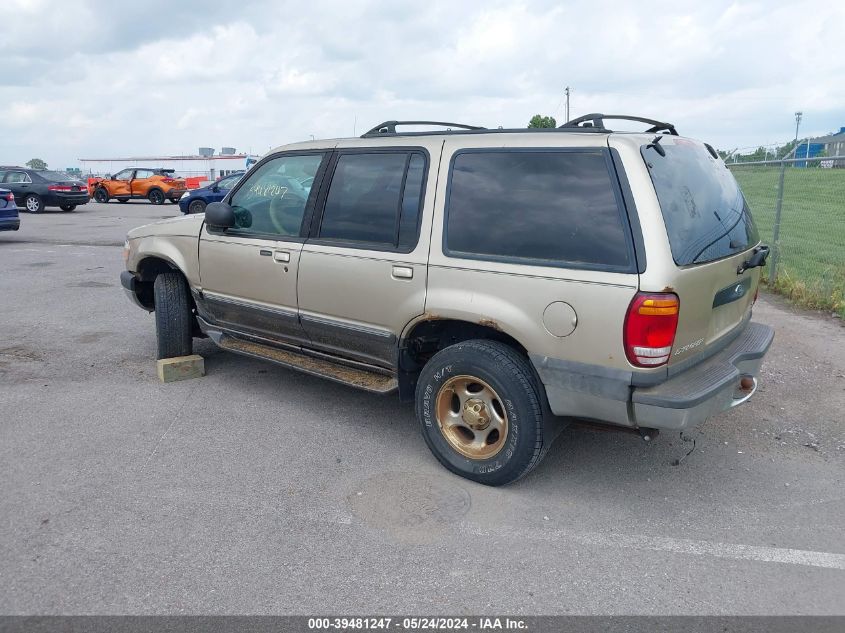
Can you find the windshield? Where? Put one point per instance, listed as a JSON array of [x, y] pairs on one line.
[[705, 213]]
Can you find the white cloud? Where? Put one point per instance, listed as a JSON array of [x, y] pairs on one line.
[[266, 73]]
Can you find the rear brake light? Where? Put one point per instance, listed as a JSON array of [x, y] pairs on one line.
[[167, 180], [60, 188], [650, 327], [10, 197]]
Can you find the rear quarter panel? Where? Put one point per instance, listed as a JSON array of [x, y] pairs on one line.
[[513, 297]]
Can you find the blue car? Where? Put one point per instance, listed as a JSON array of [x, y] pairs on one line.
[[194, 201], [9, 218]]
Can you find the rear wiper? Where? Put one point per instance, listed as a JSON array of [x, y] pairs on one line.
[[726, 232], [757, 259]]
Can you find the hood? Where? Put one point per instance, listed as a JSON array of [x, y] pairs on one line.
[[186, 225]]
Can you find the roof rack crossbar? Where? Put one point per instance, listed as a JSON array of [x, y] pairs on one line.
[[389, 127], [596, 119]]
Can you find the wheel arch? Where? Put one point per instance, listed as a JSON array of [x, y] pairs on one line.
[[427, 335]]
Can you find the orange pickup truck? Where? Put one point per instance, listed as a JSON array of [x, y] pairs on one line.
[[156, 185]]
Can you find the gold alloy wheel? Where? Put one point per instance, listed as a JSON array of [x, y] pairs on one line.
[[471, 417]]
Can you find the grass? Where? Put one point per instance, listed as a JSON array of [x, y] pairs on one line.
[[811, 270]]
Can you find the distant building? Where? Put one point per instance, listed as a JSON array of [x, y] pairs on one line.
[[831, 145], [204, 164]]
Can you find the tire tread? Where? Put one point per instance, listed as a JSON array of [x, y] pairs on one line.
[[173, 315]]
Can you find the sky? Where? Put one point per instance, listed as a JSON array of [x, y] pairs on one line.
[[103, 79]]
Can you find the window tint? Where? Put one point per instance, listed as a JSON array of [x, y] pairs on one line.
[[363, 201], [273, 199], [547, 206], [411, 201], [703, 208]]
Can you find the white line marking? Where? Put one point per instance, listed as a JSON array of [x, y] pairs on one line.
[[735, 551]]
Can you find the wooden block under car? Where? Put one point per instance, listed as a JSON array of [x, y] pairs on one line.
[[180, 368]]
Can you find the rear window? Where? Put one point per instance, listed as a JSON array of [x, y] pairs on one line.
[[544, 208], [705, 213], [55, 176]]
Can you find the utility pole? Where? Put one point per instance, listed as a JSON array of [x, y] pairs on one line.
[[798, 116], [566, 92]]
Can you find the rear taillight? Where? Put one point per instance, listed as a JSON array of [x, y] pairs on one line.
[[167, 180], [65, 188], [650, 327], [10, 197]]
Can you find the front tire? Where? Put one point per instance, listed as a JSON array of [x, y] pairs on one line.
[[480, 412], [101, 195], [155, 196], [67, 207], [173, 315], [197, 206], [33, 203]]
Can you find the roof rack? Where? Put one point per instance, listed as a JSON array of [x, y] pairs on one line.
[[596, 120], [389, 127]]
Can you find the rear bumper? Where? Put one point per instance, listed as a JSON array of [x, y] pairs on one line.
[[58, 199], [683, 401], [705, 389], [10, 224]]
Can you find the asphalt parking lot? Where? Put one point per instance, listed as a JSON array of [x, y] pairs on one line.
[[257, 489]]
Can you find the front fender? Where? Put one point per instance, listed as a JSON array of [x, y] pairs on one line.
[[178, 250]]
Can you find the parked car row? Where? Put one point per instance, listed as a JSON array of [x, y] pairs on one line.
[[37, 189], [34, 190]]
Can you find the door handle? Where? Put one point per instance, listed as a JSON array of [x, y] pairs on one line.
[[281, 256], [402, 272]]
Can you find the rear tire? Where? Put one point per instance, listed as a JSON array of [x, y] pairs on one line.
[[33, 203], [173, 315], [101, 195], [156, 196], [481, 413], [197, 206], [67, 207]]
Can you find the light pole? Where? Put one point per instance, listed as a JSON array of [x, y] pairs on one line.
[[798, 116]]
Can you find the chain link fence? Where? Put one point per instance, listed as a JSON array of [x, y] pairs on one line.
[[799, 208]]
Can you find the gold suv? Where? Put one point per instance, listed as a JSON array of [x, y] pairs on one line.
[[500, 279]]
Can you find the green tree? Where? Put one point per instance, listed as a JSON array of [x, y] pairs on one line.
[[36, 163], [538, 120]]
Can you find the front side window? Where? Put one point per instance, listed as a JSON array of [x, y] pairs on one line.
[[273, 200], [126, 174], [543, 207], [375, 199]]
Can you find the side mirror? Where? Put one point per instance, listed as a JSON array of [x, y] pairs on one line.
[[108, 177], [215, 188], [220, 215], [113, 177]]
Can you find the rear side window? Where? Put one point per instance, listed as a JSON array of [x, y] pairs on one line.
[[704, 211], [375, 199], [544, 208]]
